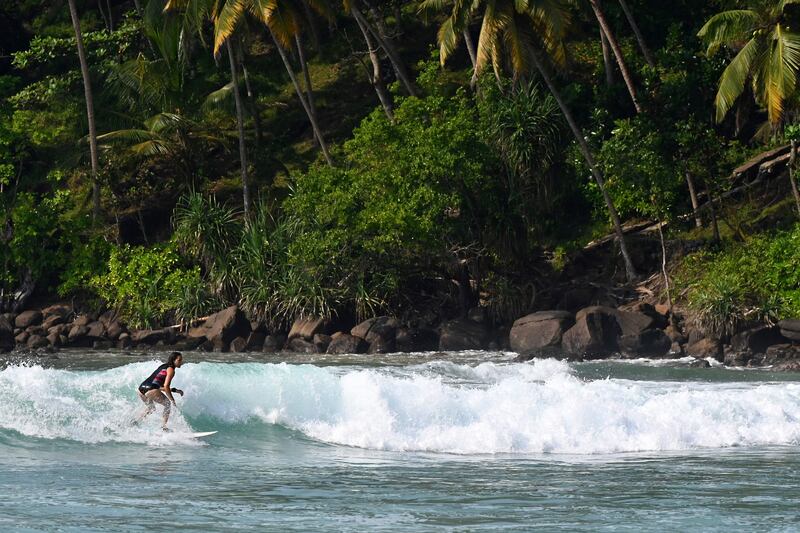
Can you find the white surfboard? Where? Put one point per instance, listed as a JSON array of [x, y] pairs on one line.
[[202, 434]]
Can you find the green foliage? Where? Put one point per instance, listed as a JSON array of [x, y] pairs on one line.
[[744, 284], [149, 286]]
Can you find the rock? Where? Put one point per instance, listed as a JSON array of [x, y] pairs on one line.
[[594, 334], [150, 336], [576, 298], [694, 335], [83, 320], [737, 358], [37, 341], [705, 348], [540, 332], [114, 330], [677, 349], [54, 339], [382, 345], [239, 344], [273, 343], [790, 329], [382, 328], [699, 363], [255, 341], [660, 319], [28, 318], [205, 345], [6, 325], [60, 329], [22, 337], [757, 340], [77, 333], [675, 335], [649, 343], [187, 345], [60, 310], [96, 330], [52, 320], [107, 318], [221, 328], [258, 327], [124, 342], [321, 341], [342, 343], [477, 314], [416, 340], [306, 328], [102, 344], [300, 345], [462, 334]]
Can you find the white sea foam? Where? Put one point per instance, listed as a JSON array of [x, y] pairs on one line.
[[442, 407]]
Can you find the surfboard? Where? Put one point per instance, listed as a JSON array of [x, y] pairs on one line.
[[202, 434]]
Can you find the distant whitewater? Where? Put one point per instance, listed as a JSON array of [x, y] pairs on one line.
[[489, 408]]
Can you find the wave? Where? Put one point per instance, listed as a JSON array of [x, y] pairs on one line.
[[539, 407]]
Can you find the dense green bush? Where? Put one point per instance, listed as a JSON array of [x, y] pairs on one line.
[[744, 284]]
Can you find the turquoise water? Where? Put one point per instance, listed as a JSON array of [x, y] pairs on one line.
[[459, 442]]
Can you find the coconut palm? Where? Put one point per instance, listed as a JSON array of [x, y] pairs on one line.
[[525, 30], [87, 92], [283, 20], [767, 55], [648, 56]]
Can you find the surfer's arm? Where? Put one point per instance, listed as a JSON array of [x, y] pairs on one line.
[[166, 388]]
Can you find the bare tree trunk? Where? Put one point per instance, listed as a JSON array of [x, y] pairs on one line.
[[87, 92], [664, 264], [110, 16], [713, 209], [375, 78], [306, 76], [237, 97], [607, 62], [612, 41], [698, 220], [792, 161], [630, 270], [473, 56], [639, 37], [103, 13], [386, 43], [311, 116]]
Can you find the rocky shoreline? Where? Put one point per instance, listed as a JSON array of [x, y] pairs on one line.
[[594, 332]]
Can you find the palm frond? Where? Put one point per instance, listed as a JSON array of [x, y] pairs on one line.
[[728, 28], [731, 83]]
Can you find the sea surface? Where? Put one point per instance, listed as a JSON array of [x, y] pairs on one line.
[[434, 442]]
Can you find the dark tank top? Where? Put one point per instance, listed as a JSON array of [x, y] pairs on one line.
[[156, 379]]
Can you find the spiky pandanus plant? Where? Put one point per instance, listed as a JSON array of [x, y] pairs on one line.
[[523, 32]]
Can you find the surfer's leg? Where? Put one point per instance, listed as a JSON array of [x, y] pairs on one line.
[[148, 407], [156, 396]]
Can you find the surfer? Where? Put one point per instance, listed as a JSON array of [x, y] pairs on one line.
[[156, 389]]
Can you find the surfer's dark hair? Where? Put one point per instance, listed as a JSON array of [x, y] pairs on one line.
[[172, 357]]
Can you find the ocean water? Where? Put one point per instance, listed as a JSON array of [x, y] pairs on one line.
[[435, 442]]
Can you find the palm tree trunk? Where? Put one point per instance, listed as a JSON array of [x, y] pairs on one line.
[[251, 101], [713, 209], [312, 24], [306, 76], [639, 37], [630, 270], [87, 92], [473, 56], [612, 41], [383, 39], [792, 160], [375, 78], [664, 264], [607, 63], [698, 220], [311, 117], [237, 97]]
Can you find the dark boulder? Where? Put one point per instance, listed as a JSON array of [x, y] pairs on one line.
[[540, 332], [381, 328], [342, 343], [463, 334], [28, 318], [411, 340], [222, 327], [37, 341], [189, 344], [299, 345], [239, 344], [757, 340], [102, 344], [660, 320], [96, 330], [54, 339], [124, 342], [107, 318], [62, 310], [321, 341], [255, 341], [52, 320], [594, 334], [77, 332], [83, 320], [649, 343], [22, 337], [114, 330], [706, 347], [273, 343], [700, 363], [151, 336]]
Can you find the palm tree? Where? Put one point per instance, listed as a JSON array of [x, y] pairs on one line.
[[605, 27], [767, 55], [283, 21], [87, 92], [237, 97], [648, 56], [526, 29]]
